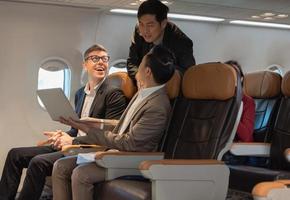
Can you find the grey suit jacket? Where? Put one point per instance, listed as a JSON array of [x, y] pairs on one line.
[[144, 131]]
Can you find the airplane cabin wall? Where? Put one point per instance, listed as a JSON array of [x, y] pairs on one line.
[[30, 33], [255, 48]]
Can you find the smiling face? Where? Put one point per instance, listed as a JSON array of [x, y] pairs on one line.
[[150, 29], [96, 64]]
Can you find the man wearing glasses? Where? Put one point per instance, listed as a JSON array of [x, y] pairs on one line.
[[97, 99]]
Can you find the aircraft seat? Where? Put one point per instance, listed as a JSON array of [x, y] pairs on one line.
[[124, 82], [204, 121], [264, 88], [244, 178], [274, 190]]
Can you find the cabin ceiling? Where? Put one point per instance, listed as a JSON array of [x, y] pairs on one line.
[[228, 9]]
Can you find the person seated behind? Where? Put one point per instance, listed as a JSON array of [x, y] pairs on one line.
[[153, 28], [140, 128], [246, 125], [97, 99]]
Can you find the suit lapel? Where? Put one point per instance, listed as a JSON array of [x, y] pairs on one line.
[[116, 130], [80, 103], [141, 105], [97, 98]]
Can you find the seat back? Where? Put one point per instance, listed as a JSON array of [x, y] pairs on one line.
[[205, 115], [124, 82], [173, 86], [281, 129], [264, 88], [203, 121], [173, 91]]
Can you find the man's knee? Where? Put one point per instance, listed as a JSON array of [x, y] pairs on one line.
[[88, 174], [80, 175], [60, 168], [35, 162], [15, 154], [63, 167]]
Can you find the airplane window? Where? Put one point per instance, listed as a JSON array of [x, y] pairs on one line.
[[118, 66], [276, 68], [54, 73]]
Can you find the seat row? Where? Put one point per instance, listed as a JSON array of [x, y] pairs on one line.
[[204, 120], [205, 115], [272, 135]]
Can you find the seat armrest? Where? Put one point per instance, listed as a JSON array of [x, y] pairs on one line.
[[119, 159], [69, 147], [275, 190], [179, 169], [258, 149], [111, 122], [287, 154], [185, 179], [69, 150], [119, 163]]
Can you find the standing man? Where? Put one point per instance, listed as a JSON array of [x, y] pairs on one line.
[[97, 99], [154, 28], [140, 128]]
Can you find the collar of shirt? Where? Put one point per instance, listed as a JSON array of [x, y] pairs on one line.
[[143, 93], [92, 92]]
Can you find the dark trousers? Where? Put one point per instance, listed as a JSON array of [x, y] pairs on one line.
[[39, 163]]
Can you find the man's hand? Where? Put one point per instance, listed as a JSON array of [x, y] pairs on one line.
[[64, 139], [52, 137]]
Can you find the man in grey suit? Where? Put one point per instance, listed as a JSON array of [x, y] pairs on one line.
[[140, 128]]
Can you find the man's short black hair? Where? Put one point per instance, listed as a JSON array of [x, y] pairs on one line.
[[153, 7], [95, 47], [161, 62]]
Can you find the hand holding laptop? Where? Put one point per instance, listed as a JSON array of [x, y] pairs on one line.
[[76, 124]]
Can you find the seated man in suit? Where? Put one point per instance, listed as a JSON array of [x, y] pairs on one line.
[[153, 28], [97, 99], [140, 128]]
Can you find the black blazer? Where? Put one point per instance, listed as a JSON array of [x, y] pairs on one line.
[[109, 103], [174, 39]]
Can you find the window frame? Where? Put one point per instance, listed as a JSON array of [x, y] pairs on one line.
[[67, 73], [115, 62]]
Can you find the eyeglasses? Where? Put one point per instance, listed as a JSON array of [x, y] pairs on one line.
[[96, 59]]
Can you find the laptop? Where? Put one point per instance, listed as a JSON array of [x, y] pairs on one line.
[[57, 104]]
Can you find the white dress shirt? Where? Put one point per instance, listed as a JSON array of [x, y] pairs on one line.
[[89, 99]]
